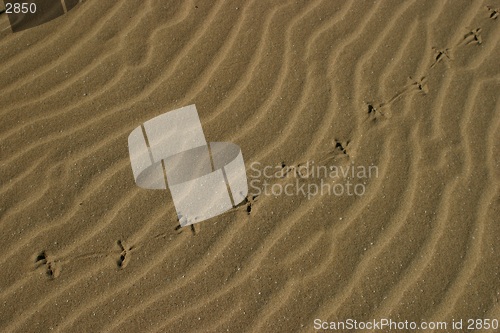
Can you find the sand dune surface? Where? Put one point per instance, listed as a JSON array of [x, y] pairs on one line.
[[409, 88]]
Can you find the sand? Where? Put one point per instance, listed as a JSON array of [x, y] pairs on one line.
[[410, 87]]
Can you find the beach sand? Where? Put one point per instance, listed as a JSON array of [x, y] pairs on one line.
[[408, 87]]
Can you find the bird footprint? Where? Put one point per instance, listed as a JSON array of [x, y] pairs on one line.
[[52, 267], [124, 254]]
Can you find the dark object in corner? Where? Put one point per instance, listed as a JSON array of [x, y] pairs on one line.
[[46, 10]]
